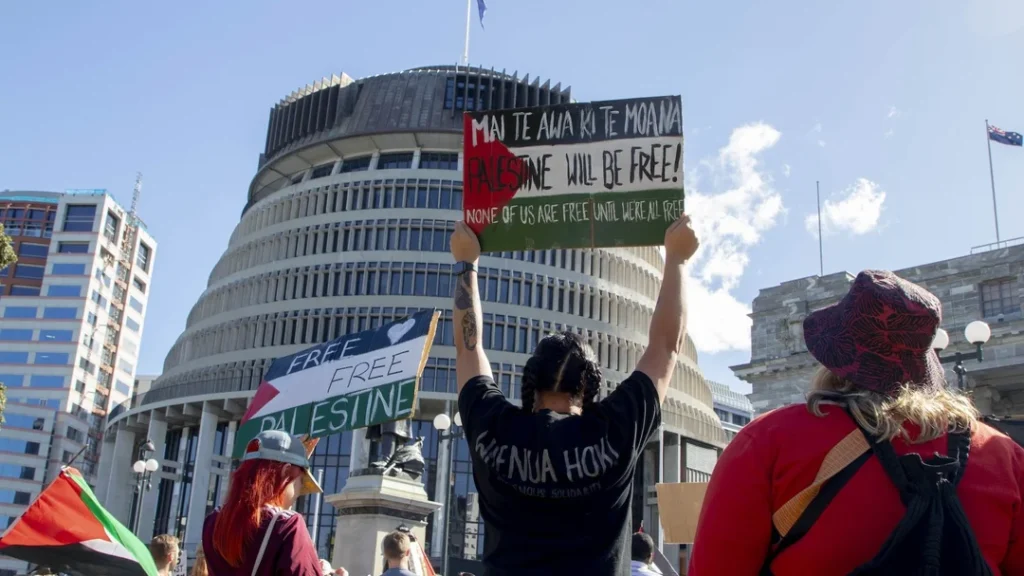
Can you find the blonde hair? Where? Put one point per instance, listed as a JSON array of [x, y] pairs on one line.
[[935, 412], [199, 567]]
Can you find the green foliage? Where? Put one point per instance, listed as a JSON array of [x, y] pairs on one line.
[[7, 255]]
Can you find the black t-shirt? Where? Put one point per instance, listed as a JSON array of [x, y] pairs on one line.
[[555, 489]]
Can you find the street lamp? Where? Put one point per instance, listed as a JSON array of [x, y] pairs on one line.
[[976, 333], [443, 422], [143, 469]]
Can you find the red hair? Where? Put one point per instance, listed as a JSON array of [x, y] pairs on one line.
[[254, 485]]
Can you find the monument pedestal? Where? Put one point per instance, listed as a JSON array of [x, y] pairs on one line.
[[369, 507]]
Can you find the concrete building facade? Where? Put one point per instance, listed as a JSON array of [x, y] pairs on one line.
[[986, 285], [345, 226], [72, 312]]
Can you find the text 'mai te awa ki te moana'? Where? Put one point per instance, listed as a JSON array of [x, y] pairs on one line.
[[354, 381], [597, 174]]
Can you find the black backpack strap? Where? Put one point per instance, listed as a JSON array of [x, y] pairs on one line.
[[958, 445]]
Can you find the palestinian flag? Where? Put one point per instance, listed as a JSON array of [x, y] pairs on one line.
[[67, 530], [574, 175]]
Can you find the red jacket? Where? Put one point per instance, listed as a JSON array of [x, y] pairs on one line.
[[778, 455]]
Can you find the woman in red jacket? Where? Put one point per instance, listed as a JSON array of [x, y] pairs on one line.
[[881, 460], [255, 533]]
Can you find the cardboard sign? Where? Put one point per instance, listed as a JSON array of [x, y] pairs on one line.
[[354, 381], [679, 509], [574, 175]]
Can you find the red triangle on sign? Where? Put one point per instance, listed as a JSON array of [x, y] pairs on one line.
[[491, 178], [265, 393]]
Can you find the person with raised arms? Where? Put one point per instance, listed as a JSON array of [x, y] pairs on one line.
[[555, 476]]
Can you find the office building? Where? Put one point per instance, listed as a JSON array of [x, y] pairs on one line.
[[732, 408], [72, 311], [986, 285], [346, 225]]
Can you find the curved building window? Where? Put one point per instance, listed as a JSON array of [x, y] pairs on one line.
[[394, 160], [359, 164]]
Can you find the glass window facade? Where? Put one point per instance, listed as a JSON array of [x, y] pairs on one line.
[[131, 325], [20, 312], [30, 250], [64, 290], [68, 269], [56, 335], [17, 334], [60, 313], [135, 304], [394, 160], [143, 256], [73, 247], [29, 271], [52, 358], [13, 357], [16, 446], [44, 381], [355, 164], [24, 290], [12, 380], [79, 217]]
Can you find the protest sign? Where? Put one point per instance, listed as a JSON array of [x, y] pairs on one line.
[[354, 381], [679, 506], [574, 175]]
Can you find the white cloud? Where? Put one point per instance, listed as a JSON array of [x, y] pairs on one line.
[[893, 112], [853, 211], [888, 133], [821, 143], [729, 222], [785, 170], [817, 128]]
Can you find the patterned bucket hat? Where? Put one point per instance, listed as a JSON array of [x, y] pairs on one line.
[[879, 336]]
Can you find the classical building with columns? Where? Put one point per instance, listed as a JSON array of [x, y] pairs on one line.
[[346, 225], [986, 285]]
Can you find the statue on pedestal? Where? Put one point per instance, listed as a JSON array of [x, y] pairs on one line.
[[393, 451]]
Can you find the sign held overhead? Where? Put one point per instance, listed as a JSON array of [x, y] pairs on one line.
[[597, 174]]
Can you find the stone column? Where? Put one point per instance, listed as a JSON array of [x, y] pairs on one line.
[[416, 158], [200, 479], [120, 488], [359, 457], [374, 159], [157, 435], [442, 487], [229, 448], [103, 472], [460, 162], [672, 472], [175, 520]]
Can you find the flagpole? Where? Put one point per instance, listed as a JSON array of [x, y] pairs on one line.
[[991, 176], [465, 51], [821, 250]]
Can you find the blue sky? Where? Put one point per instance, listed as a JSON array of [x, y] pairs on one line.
[[883, 102]]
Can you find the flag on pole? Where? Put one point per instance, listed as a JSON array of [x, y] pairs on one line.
[[481, 8], [66, 529], [1004, 137]]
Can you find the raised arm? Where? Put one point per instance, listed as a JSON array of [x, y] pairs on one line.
[[667, 333], [470, 358]]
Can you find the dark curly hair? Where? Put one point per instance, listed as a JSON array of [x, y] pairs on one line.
[[562, 362]]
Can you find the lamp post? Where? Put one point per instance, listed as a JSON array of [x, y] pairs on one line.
[[443, 422], [143, 469], [976, 333]]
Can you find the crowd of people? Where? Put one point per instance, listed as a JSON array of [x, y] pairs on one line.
[[884, 470]]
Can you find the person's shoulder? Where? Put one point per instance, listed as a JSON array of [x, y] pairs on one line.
[[287, 520], [794, 421], [986, 439]]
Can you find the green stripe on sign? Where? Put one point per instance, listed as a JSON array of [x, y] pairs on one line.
[[583, 221], [384, 403]]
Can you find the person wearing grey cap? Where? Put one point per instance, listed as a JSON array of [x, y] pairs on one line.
[[256, 533]]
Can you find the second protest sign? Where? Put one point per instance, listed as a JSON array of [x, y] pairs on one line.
[[574, 175], [354, 381]]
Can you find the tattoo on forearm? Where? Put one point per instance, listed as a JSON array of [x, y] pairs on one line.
[[469, 335], [463, 293]]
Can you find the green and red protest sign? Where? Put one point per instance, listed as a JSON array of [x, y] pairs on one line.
[[574, 175]]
